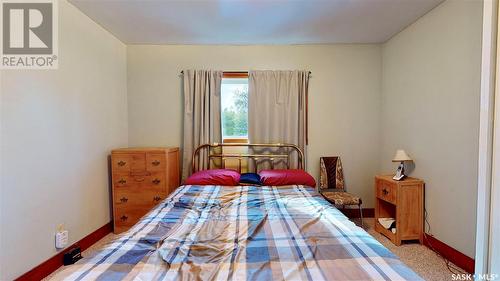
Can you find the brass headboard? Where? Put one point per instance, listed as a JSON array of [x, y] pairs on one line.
[[215, 151]]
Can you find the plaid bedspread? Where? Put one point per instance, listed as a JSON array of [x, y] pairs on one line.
[[242, 233]]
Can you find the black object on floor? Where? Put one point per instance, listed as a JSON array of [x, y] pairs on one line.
[[72, 256]]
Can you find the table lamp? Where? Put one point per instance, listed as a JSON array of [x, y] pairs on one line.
[[402, 157]]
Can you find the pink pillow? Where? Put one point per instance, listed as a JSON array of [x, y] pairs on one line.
[[214, 177], [286, 177]]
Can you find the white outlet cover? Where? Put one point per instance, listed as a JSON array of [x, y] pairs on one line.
[[61, 239]]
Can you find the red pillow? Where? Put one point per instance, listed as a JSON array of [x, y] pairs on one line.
[[214, 177], [286, 177]]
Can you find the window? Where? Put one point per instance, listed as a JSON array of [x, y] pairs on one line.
[[234, 107]]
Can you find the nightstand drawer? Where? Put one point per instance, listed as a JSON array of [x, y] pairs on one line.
[[387, 191]]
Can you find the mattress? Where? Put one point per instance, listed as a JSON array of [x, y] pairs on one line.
[[242, 233]]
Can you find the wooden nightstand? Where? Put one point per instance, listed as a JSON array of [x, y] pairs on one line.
[[404, 201]]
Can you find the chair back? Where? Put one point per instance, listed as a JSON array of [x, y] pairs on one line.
[[331, 174]]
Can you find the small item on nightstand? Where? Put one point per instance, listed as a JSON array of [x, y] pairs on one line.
[[402, 157], [388, 223]]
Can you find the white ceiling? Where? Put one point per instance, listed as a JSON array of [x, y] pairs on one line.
[[243, 22]]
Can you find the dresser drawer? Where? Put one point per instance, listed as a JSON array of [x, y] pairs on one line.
[[130, 162], [131, 205], [137, 198], [120, 163], [156, 162], [387, 191], [128, 216], [150, 181]]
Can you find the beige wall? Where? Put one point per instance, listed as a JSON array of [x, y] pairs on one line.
[[344, 97], [57, 129], [430, 108]]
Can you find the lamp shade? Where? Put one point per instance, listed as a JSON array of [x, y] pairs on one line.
[[401, 156]]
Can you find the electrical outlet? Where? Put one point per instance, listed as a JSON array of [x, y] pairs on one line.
[[61, 237]]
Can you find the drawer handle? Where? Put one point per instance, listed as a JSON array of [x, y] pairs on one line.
[[124, 218], [124, 199], [122, 181], [156, 198], [121, 163], [139, 179], [155, 163], [156, 181], [385, 192]]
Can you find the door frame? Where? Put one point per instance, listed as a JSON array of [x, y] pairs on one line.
[[489, 138]]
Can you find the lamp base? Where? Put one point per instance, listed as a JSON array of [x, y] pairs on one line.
[[399, 172], [398, 178]]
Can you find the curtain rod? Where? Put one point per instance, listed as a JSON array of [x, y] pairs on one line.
[[182, 72]]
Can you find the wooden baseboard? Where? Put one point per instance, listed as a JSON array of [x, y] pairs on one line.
[[47, 267], [354, 212], [450, 253]]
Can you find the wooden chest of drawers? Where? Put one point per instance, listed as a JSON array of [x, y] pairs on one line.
[[142, 177], [404, 201]]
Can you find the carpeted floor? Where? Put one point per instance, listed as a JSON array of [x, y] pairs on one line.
[[421, 259]]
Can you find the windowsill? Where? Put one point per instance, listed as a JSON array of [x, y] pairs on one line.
[[235, 140]]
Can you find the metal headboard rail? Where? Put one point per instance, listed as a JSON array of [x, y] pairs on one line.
[[271, 157]]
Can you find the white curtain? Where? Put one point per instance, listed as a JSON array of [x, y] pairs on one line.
[[202, 118], [277, 109]]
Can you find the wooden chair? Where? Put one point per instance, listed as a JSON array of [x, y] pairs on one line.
[[332, 186]]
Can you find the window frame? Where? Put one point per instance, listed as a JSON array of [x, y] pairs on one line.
[[235, 75]]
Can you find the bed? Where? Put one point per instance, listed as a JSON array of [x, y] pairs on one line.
[[213, 232]]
